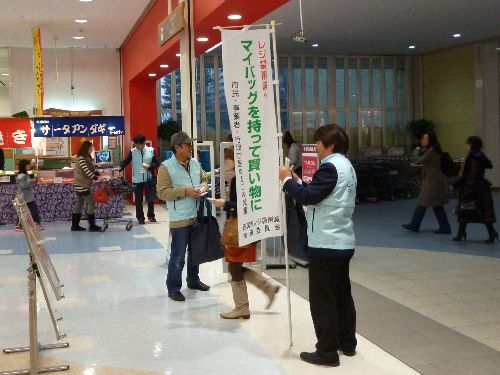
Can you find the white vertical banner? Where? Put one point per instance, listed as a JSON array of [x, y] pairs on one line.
[[249, 89]]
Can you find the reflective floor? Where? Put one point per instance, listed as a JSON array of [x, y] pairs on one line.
[[119, 320]]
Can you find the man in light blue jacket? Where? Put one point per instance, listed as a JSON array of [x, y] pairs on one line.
[[330, 201], [144, 163], [181, 183]]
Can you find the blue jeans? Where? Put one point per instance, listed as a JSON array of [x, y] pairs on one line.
[[180, 241]]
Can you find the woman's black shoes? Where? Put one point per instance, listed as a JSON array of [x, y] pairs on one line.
[[493, 237], [460, 237]]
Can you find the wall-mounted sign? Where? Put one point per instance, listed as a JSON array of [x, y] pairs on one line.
[[171, 25], [15, 133], [56, 112], [93, 126]]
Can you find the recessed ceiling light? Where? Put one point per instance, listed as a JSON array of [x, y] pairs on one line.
[[164, 66], [457, 35], [178, 54], [81, 21], [152, 74], [85, 1], [202, 39], [234, 17], [315, 45], [78, 37], [411, 47], [6, 74]]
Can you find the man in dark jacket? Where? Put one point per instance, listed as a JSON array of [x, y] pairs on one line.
[[330, 200]]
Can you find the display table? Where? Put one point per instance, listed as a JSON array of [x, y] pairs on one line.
[[56, 202]]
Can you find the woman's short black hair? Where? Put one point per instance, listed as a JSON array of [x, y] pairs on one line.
[[433, 142], [475, 143], [139, 138], [288, 139], [23, 163], [333, 134]]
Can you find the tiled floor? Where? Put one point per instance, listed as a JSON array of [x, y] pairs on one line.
[[119, 319]]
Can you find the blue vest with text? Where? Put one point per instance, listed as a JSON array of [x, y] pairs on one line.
[[139, 174], [329, 223], [184, 208]]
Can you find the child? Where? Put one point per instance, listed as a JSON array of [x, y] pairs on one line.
[[25, 187]]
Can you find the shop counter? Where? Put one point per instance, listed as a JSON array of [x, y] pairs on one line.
[[56, 202]]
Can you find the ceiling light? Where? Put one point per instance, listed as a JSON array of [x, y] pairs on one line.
[[81, 21], [234, 17], [214, 47], [164, 66], [152, 74], [85, 1], [202, 39], [457, 35], [315, 45], [411, 47], [6, 74], [178, 54], [78, 37]]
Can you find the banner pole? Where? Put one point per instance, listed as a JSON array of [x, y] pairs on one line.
[[283, 205]]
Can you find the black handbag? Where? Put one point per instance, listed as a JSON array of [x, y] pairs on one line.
[[297, 228], [205, 237], [468, 212]]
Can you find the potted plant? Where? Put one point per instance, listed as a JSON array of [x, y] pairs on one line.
[[166, 129]]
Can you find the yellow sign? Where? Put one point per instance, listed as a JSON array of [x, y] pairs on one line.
[[38, 70]]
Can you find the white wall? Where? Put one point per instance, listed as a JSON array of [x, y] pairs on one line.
[[96, 80]]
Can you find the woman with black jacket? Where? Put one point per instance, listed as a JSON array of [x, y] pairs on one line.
[[473, 187], [236, 256]]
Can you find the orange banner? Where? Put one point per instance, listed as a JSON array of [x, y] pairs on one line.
[[38, 70]]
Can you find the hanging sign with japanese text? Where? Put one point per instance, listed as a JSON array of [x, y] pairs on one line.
[[247, 60], [93, 126], [38, 69], [15, 133]]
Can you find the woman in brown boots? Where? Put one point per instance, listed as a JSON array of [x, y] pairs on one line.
[[240, 275]]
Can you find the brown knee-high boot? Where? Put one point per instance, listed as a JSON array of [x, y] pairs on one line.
[[263, 284], [240, 298]]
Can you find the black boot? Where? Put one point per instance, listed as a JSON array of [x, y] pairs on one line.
[[92, 226], [416, 220], [461, 234], [75, 223], [492, 234]]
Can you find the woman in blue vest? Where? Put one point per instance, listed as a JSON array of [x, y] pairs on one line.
[[144, 162], [330, 200]]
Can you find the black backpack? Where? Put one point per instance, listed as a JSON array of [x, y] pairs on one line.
[[448, 166]]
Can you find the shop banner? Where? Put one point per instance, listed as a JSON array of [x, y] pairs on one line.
[[15, 133], [310, 162], [38, 70], [248, 86], [51, 127]]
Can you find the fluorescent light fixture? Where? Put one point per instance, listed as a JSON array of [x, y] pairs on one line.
[[214, 47], [86, 1], [315, 45], [152, 74], [78, 37], [81, 21], [178, 54], [411, 47], [202, 39], [164, 66], [6, 74], [457, 35], [234, 17]]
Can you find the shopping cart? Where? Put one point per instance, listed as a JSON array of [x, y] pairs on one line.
[[102, 195]]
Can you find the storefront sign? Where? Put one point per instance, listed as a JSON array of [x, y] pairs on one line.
[[15, 133], [310, 162], [246, 56], [51, 127]]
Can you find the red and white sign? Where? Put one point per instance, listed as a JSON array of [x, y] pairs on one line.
[[310, 162], [15, 133]]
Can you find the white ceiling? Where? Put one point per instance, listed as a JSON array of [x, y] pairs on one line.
[[109, 22], [340, 26], [385, 27]]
